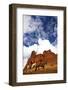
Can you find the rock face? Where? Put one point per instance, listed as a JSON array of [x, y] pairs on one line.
[[38, 63]]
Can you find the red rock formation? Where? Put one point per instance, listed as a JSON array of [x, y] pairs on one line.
[[47, 57], [50, 56]]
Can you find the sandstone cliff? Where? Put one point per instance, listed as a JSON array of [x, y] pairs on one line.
[[41, 63]]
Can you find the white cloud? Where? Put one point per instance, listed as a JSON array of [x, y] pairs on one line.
[[31, 24], [45, 45]]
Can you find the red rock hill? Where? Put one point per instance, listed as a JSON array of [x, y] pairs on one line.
[[47, 57]]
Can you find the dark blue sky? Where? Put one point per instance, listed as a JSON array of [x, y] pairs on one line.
[[46, 29]]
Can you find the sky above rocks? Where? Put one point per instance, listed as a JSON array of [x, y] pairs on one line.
[[39, 27]]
